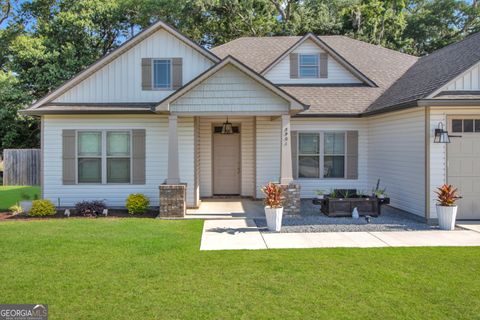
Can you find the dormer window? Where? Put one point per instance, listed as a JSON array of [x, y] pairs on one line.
[[308, 65], [162, 73]]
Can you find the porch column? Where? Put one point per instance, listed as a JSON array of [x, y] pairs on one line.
[[286, 175], [173, 176]]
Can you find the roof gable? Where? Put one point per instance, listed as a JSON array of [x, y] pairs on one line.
[[332, 53], [221, 75], [98, 65]]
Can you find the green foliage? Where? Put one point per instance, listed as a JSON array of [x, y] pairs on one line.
[[42, 208], [16, 209], [137, 203]]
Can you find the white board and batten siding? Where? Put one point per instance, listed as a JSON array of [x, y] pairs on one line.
[[396, 156], [156, 160], [247, 153], [310, 186], [280, 73], [121, 79], [467, 81], [230, 90]]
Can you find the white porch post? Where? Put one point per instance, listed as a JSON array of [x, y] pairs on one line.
[[173, 176], [286, 175]]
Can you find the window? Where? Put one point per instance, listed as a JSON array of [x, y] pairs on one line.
[[89, 157], [162, 75], [466, 125], [334, 155], [94, 157], [308, 65], [317, 150], [308, 155]]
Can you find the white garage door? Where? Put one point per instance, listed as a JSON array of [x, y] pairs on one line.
[[463, 156]]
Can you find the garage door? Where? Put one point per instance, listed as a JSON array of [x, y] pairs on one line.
[[463, 155]]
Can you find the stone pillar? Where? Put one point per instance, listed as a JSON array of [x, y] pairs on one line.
[[291, 198], [173, 200], [286, 175], [173, 175]]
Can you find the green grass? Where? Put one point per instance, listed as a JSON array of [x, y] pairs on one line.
[[153, 269], [10, 195]]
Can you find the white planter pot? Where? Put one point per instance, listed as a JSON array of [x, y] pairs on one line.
[[26, 205], [446, 217], [274, 218]]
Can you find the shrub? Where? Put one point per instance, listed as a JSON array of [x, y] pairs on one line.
[[16, 209], [273, 195], [42, 208], [446, 195], [90, 208], [137, 203]]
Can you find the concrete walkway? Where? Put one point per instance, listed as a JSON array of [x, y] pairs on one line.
[[244, 234]]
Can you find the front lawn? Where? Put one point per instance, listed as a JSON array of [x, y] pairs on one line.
[[10, 195], [153, 269]]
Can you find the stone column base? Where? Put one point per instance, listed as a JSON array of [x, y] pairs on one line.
[[173, 200], [291, 201]]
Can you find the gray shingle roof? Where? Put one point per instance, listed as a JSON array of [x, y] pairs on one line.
[[430, 73], [383, 66]]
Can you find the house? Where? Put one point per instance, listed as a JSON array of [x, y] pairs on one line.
[[312, 112]]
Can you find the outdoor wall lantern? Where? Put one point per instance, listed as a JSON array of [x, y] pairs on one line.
[[227, 127], [441, 135]]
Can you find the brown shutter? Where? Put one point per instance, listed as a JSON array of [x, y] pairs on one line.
[[293, 65], [323, 65], [352, 155], [294, 137], [146, 74], [177, 73], [68, 157], [138, 156]]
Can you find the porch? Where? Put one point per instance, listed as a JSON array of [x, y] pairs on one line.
[[227, 208]]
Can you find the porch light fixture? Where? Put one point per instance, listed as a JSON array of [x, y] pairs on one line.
[[227, 127], [441, 135]]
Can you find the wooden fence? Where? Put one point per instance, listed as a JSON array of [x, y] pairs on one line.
[[21, 167]]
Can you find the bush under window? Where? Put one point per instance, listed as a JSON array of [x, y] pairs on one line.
[[42, 208], [90, 208], [137, 203]]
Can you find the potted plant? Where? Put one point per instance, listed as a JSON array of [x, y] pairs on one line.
[[26, 202], [446, 207], [273, 206], [320, 194], [379, 192]]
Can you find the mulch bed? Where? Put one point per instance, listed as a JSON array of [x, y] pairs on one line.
[[112, 214]]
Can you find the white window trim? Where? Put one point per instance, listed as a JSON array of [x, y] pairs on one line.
[[322, 154], [153, 74], [308, 65], [103, 156]]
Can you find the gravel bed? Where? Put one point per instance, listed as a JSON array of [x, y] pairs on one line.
[[312, 220]]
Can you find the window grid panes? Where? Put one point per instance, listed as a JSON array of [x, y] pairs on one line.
[[89, 157], [308, 65], [104, 151], [162, 73], [465, 125], [118, 157], [334, 155], [309, 155]]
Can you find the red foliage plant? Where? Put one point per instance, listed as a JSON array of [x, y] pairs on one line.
[[273, 195], [447, 195]]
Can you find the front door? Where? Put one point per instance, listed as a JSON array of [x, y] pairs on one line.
[[463, 155], [226, 163]]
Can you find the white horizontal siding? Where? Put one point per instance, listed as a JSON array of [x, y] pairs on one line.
[[267, 152], [396, 156], [438, 151], [468, 81], [247, 154], [156, 158], [310, 186], [230, 90], [121, 79], [280, 73]]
